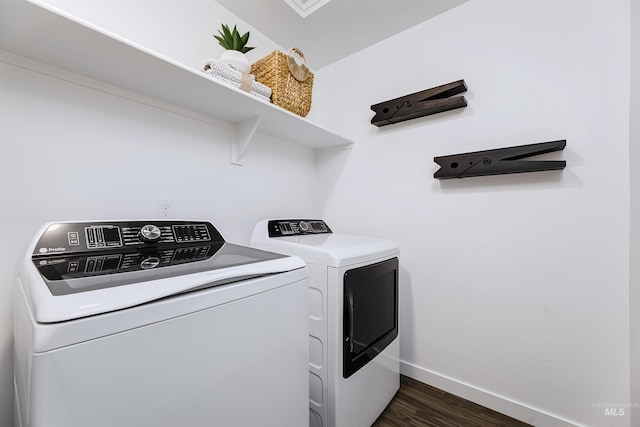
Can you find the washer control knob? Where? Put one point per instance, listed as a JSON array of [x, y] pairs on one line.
[[304, 226], [149, 233], [150, 262]]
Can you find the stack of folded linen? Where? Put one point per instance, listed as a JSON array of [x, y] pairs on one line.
[[235, 78]]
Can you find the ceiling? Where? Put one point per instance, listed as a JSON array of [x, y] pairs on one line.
[[338, 28]]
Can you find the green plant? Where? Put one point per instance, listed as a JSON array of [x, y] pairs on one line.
[[232, 40]]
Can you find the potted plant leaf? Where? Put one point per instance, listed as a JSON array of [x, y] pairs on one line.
[[235, 48]]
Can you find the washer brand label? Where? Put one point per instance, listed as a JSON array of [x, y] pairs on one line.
[[52, 261], [48, 250]]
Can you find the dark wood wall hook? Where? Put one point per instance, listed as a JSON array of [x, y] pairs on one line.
[[500, 161], [419, 104]]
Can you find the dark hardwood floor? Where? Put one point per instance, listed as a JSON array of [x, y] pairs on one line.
[[418, 405]]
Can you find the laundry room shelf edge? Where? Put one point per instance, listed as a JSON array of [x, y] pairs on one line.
[[42, 33]]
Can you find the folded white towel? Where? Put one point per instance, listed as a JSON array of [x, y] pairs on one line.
[[237, 86], [230, 75]]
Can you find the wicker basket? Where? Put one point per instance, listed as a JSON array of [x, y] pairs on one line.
[[290, 82]]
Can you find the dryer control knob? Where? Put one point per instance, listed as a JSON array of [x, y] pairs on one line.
[[149, 233], [304, 226]]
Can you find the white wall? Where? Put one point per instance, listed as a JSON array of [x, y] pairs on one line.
[[514, 288], [634, 279], [72, 152]]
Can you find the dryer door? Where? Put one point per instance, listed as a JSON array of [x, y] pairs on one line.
[[370, 313]]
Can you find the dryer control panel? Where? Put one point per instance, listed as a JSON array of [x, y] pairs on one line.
[[293, 227]]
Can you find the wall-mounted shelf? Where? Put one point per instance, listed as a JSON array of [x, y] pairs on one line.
[[41, 33]]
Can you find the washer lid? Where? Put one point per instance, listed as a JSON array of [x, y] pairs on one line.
[[333, 250], [76, 273], [88, 296], [76, 270]]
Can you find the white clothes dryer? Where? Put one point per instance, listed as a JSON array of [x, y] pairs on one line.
[[138, 324], [353, 318]]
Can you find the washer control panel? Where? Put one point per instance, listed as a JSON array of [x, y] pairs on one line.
[[293, 227], [72, 237]]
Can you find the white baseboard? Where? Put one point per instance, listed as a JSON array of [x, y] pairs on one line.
[[485, 398]]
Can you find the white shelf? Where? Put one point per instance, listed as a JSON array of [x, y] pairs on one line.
[[63, 41]]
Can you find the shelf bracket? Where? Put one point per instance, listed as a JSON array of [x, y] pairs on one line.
[[242, 134]]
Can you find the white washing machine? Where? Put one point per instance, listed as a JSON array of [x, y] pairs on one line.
[[127, 323], [353, 316]]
